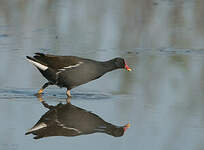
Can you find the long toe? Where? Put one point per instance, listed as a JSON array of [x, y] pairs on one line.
[[40, 91]]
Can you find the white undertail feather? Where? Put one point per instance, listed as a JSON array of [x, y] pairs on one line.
[[37, 127], [37, 64]]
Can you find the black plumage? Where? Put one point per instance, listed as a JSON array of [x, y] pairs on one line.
[[69, 120], [72, 71]]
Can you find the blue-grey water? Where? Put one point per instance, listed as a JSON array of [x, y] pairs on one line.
[[162, 97]]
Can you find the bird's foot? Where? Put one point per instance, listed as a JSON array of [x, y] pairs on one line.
[[40, 91], [68, 96], [39, 96], [68, 99]]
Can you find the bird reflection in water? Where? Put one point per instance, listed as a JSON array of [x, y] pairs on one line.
[[69, 120]]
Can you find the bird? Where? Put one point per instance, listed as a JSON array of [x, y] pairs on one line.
[[69, 120], [72, 71]]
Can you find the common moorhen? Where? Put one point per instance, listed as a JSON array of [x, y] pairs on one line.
[[72, 71], [69, 120]]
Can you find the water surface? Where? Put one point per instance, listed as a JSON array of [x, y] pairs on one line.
[[162, 97]]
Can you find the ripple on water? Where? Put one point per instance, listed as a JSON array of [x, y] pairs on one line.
[[165, 51], [15, 94]]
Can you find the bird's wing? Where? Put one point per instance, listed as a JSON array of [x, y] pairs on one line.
[[57, 63]]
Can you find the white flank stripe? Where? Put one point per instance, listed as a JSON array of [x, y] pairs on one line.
[[40, 66], [62, 69], [73, 66], [71, 129]]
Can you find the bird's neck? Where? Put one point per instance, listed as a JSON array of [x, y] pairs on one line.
[[109, 66], [110, 128]]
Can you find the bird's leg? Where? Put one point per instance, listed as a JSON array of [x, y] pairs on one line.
[[43, 87], [68, 99], [68, 94], [39, 96], [43, 102]]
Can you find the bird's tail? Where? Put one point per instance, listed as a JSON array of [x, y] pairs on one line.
[[37, 63], [36, 128]]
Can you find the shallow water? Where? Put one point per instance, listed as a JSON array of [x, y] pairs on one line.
[[162, 97]]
